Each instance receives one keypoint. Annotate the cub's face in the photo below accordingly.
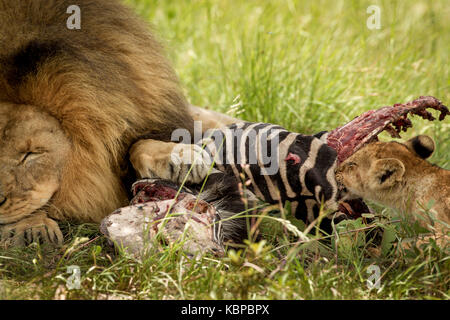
(33, 150)
(379, 170)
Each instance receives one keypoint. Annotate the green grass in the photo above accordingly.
(309, 66)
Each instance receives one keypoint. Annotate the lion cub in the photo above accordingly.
(397, 175)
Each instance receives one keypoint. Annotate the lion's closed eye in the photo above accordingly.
(30, 155)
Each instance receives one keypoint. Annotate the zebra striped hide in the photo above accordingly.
(278, 165)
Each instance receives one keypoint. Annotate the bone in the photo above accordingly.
(349, 138)
(157, 209)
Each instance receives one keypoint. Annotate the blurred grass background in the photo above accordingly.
(309, 66)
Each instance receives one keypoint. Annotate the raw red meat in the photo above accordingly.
(349, 138)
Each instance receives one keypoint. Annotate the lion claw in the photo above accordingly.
(37, 228)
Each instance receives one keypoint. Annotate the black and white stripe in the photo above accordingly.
(304, 165)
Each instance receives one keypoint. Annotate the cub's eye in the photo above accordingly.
(351, 165)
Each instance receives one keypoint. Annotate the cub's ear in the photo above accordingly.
(421, 145)
(384, 173)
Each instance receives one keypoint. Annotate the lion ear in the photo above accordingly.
(421, 145)
(384, 173)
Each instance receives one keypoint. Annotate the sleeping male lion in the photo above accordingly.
(71, 104)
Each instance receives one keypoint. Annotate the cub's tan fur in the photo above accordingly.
(397, 175)
(94, 90)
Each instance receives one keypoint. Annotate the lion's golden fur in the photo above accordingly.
(106, 84)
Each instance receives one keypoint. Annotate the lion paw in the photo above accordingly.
(37, 228)
(174, 162)
(189, 160)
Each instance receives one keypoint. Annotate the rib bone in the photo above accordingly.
(349, 138)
